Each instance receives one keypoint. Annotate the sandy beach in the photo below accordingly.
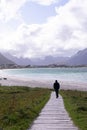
(45, 83)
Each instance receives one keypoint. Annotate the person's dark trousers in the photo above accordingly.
(56, 93)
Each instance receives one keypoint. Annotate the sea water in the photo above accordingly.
(78, 74)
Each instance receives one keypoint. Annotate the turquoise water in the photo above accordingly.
(63, 74)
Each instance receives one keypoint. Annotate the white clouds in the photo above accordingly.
(61, 34)
(10, 9)
(73, 15)
(45, 2)
(6, 41)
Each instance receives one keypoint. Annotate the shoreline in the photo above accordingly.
(43, 83)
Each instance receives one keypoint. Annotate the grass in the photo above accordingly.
(19, 106)
(76, 104)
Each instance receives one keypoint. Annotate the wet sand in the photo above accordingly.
(43, 83)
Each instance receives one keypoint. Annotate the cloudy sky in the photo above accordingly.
(36, 28)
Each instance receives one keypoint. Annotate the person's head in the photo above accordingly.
(55, 81)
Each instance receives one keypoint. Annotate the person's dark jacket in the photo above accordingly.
(56, 86)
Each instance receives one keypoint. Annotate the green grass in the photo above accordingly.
(19, 106)
(76, 104)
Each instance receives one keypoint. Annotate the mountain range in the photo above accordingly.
(80, 58)
(4, 60)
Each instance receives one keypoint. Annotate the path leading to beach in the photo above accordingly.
(53, 116)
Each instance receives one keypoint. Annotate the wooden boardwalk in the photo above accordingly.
(53, 116)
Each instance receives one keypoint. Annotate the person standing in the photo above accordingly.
(56, 87)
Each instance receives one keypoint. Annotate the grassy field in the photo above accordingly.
(19, 106)
(76, 105)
